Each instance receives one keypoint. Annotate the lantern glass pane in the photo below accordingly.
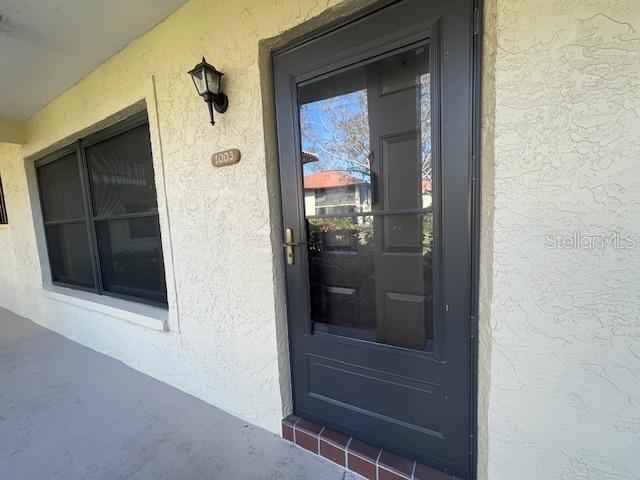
(213, 81)
(198, 79)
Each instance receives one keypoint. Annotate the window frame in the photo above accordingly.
(78, 147)
(4, 214)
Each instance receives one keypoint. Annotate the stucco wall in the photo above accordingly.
(559, 328)
(12, 131)
(564, 399)
(225, 343)
(19, 272)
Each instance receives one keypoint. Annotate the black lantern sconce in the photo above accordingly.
(207, 81)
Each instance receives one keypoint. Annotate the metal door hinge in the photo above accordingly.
(474, 328)
(476, 21)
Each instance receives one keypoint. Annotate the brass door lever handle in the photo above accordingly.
(288, 245)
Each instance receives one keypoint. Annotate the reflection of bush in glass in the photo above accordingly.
(332, 224)
(427, 233)
(339, 233)
(345, 233)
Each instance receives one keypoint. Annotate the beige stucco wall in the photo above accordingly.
(227, 338)
(17, 259)
(564, 323)
(559, 328)
(12, 131)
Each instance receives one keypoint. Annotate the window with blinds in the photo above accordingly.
(100, 214)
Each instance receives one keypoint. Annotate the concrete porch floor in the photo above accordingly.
(68, 412)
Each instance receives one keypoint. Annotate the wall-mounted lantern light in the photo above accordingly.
(207, 81)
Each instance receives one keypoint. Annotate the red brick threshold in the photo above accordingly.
(371, 462)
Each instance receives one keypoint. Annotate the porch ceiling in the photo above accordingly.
(45, 47)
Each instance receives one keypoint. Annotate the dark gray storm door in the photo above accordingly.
(375, 137)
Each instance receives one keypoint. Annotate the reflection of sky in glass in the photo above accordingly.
(337, 131)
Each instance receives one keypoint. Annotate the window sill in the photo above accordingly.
(136, 313)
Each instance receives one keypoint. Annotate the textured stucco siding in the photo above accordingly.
(12, 131)
(227, 339)
(559, 343)
(564, 399)
(19, 280)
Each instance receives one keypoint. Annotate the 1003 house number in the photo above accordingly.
(226, 157)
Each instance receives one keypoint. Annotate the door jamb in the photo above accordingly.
(476, 102)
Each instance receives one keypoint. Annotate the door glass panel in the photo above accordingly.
(366, 161)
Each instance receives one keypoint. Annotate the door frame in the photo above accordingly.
(476, 30)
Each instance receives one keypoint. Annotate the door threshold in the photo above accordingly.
(353, 454)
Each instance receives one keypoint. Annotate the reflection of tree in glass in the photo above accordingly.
(337, 130)
(424, 107)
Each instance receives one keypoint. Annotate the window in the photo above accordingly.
(100, 214)
(4, 218)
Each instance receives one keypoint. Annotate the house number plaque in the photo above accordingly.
(227, 157)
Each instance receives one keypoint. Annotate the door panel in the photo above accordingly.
(374, 133)
(350, 384)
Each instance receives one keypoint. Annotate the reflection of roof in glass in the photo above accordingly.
(329, 178)
(426, 185)
(309, 157)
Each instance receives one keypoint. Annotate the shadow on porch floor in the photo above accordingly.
(68, 412)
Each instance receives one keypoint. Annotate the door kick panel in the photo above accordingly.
(397, 399)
